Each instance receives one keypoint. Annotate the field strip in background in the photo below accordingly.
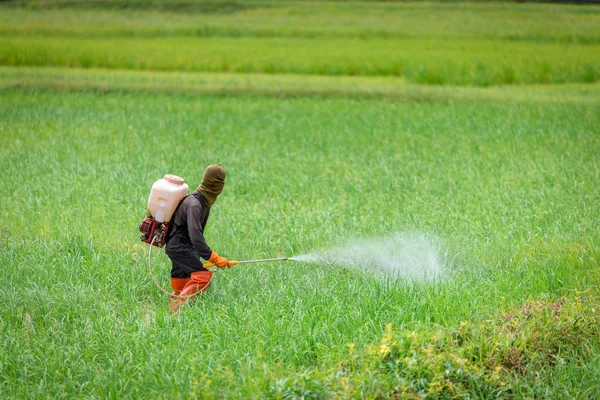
(282, 85)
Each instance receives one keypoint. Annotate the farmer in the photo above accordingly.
(186, 242)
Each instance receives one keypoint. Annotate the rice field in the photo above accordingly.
(500, 181)
(427, 43)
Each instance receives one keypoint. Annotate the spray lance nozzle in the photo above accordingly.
(232, 263)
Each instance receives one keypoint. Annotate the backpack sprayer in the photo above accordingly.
(165, 196)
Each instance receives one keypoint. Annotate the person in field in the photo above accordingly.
(186, 243)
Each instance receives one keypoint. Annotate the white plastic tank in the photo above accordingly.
(165, 196)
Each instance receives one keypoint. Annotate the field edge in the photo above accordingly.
(290, 85)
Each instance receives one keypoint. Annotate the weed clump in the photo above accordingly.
(480, 360)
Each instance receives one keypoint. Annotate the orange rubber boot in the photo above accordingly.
(178, 284)
(199, 282)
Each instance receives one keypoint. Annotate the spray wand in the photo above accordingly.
(232, 263)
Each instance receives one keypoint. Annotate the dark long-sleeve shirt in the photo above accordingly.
(187, 228)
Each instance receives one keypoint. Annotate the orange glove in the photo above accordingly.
(219, 261)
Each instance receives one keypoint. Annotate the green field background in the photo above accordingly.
(430, 43)
(474, 125)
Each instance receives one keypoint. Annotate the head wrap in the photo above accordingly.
(212, 183)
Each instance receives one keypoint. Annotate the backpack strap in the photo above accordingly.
(200, 198)
(171, 228)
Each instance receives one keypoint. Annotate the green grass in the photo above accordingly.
(456, 44)
(473, 124)
(467, 62)
(284, 85)
(507, 189)
(490, 20)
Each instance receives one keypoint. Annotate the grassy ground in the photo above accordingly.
(501, 179)
(508, 190)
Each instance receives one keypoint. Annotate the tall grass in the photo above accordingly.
(365, 20)
(479, 63)
(284, 85)
(432, 43)
(508, 189)
(502, 180)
